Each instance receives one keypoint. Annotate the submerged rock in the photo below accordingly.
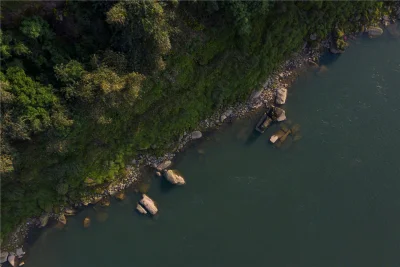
(374, 31)
(120, 196)
(86, 222)
(281, 95)
(140, 209)
(149, 204)
(105, 202)
(283, 138)
(3, 257)
(102, 216)
(164, 165)
(196, 135)
(11, 260)
(62, 219)
(174, 178)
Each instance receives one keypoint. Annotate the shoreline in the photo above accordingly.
(284, 76)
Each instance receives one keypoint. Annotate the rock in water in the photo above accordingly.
(86, 222)
(62, 219)
(174, 178)
(374, 31)
(69, 211)
(21, 263)
(273, 139)
(43, 220)
(281, 95)
(11, 260)
(196, 135)
(278, 114)
(276, 136)
(158, 174)
(140, 209)
(164, 165)
(3, 257)
(149, 204)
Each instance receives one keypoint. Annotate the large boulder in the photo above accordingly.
(70, 211)
(278, 114)
(174, 178)
(140, 209)
(11, 260)
(44, 220)
(164, 165)
(225, 115)
(62, 219)
(3, 257)
(374, 31)
(281, 95)
(149, 204)
(196, 135)
(19, 252)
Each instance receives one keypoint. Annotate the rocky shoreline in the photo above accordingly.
(266, 95)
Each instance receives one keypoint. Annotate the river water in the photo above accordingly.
(330, 199)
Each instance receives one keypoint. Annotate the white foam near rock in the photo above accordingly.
(149, 204)
(281, 95)
(196, 135)
(174, 178)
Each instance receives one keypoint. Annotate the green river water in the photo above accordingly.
(331, 199)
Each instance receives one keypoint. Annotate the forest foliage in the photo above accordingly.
(90, 85)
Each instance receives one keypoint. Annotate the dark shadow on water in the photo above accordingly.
(166, 186)
(254, 135)
(328, 58)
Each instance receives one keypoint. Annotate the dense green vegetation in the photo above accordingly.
(87, 86)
